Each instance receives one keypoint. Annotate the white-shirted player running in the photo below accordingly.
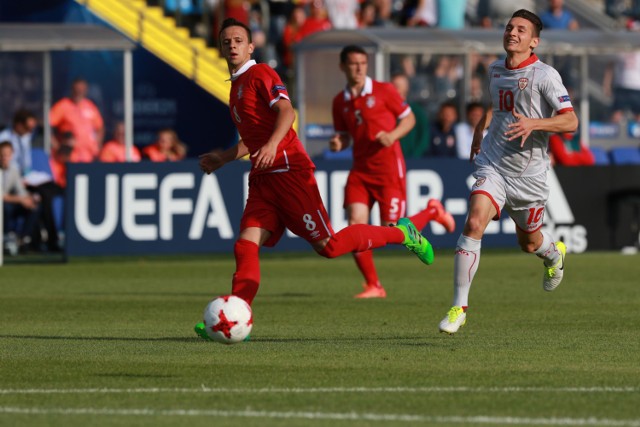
(511, 162)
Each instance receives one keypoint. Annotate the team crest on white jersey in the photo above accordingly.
(480, 181)
(523, 82)
(371, 101)
(240, 91)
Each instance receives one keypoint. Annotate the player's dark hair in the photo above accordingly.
(6, 144)
(21, 116)
(531, 17)
(232, 22)
(347, 50)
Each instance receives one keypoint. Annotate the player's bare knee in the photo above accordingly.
(474, 226)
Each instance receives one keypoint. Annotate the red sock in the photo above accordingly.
(360, 238)
(422, 218)
(246, 279)
(364, 261)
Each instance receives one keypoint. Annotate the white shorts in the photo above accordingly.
(523, 198)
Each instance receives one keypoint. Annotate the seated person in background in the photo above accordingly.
(464, 130)
(114, 150)
(416, 143)
(565, 149)
(167, 148)
(17, 202)
(60, 156)
(443, 136)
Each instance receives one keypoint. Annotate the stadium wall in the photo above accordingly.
(171, 208)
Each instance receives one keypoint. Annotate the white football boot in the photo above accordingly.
(553, 275)
(455, 318)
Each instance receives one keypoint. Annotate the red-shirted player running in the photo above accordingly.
(283, 192)
(375, 117)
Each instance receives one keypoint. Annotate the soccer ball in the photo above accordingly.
(228, 319)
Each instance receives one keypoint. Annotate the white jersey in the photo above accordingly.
(535, 90)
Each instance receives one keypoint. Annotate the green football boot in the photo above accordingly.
(415, 242)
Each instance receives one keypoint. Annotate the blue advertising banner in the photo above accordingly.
(172, 208)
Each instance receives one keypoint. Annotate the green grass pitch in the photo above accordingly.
(99, 342)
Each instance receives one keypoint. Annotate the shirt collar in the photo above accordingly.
(367, 89)
(530, 60)
(250, 63)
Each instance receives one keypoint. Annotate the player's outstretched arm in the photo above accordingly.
(214, 160)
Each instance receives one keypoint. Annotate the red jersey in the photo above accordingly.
(254, 89)
(378, 108)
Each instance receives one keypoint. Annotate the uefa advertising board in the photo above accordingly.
(174, 208)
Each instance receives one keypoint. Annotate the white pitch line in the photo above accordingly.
(325, 390)
(345, 416)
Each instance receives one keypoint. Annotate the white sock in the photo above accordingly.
(548, 251)
(465, 265)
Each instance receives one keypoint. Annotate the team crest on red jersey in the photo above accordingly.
(523, 82)
(371, 101)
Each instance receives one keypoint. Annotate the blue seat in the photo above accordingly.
(600, 155)
(625, 156)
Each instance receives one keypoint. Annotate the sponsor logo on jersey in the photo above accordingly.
(240, 91)
(523, 82)
(371, 101)
(564, 98)
(496, 76)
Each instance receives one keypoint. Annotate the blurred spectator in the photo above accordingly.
(496, 13)
(20, 135)
(60, 156)
(621, 81)
(115, 150)
(416, 143)
(187, 13)
(343, 13)
(384, 10)
(419, 13)
(443, 136)
(78, 115)
(451, 14)
(566, 149)
(367, 14)
(167, 148)
(291, 34)
(20, 209)
(316, 21)
(558, 18)
(464, 129)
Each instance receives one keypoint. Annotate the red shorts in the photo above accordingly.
(287, 200)
(391, 196)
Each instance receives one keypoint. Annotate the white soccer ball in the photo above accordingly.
(228, 319)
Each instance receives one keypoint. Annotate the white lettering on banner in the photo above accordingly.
(88, 230)
(210, 210)
(210, 206)
(171, 206)
(133, 207)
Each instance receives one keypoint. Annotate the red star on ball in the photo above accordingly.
(224, 325)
